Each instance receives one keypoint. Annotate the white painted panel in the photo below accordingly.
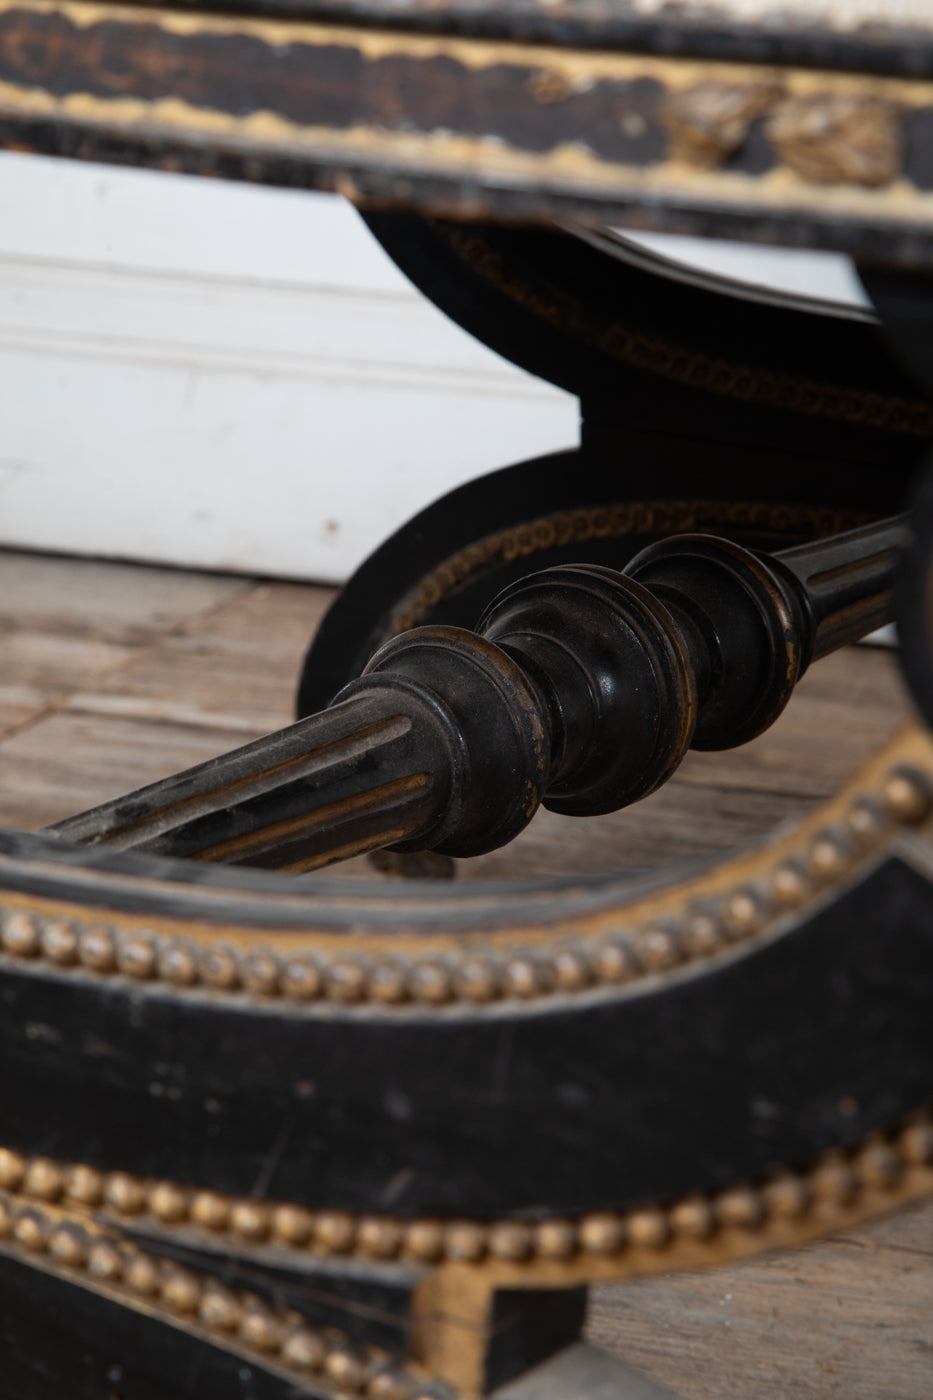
(215, 375)
(831, 276)
(61, 211)
(232, 470)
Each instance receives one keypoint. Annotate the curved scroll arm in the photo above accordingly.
(582, 688)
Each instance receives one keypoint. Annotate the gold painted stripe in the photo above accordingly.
(376, 802)
(96, 827)
(568, 169)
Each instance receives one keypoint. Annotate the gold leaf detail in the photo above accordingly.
(832, 140)
(710, 121)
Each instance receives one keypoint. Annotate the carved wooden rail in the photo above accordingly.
(582, 688)
(590, 107)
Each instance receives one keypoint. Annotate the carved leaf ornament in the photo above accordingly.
(825, 138)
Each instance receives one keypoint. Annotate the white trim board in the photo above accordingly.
(230, 378)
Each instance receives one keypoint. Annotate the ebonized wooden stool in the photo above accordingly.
(400, 1127)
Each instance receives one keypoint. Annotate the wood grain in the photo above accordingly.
(114, 675)
(64, 624)
(850, 1317)
(172, 668)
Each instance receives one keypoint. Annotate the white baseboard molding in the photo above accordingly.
(277, 406)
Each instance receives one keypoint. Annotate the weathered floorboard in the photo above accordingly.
(64, 624)
(113, 675)
(851, 1317)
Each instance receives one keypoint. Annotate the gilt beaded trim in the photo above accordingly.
(884, 1169)
(75, 1247)
(782, 881)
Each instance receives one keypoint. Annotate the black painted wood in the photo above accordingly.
(581, 687)
(892, 43)
(529, 1325)
(60, 1341)
(913, 601)
(564, 1105)
(769, 1054)
(563, 306)
(63, 1337)
(368, 1301)
(751, 495)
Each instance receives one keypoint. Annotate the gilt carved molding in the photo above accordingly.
(475, 126)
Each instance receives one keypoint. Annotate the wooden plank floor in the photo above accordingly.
(113, 675)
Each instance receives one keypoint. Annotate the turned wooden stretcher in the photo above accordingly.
(404, 1127)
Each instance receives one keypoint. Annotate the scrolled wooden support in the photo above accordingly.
(582, 688)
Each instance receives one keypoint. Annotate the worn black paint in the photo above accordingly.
(368, 1301)
(615, 464)
(612, 24)
(332, 85)
(527, 1326)
(60, 1340)
(581, 687)
(561, 308)
(564, 1106)
(645, 436)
